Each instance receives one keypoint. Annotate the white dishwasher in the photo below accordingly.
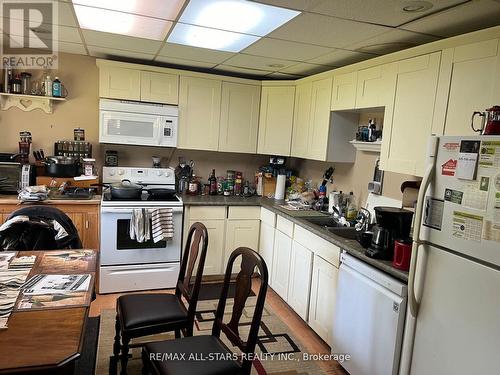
(369, 318)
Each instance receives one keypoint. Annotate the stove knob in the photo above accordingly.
(167, 173)
(158, 173)
(121, 172)
(112, 172)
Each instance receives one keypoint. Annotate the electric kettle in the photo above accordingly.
(490, 124)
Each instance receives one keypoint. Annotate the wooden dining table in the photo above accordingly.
(47, 341)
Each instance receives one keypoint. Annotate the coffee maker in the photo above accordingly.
(391, 224)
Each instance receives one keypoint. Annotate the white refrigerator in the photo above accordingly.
(453, 318)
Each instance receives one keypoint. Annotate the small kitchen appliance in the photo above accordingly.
(14, 175)
(490, 124)
(125, 263)
(392, 223)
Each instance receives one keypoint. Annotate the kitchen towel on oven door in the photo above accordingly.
(140, 229)
(162, 224)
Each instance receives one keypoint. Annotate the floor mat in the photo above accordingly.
(86, 364)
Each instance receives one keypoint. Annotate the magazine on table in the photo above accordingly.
(53, 301)
(57, 284)
(5, 257)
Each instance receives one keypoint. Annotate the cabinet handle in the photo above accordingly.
(86, 224)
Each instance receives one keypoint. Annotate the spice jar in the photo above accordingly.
(88, 167)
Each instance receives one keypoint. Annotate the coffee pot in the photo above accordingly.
(490, 123)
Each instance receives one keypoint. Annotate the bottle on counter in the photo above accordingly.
(238, 183)
(212, 180)
(220, 185)
(352, 209)
(193, 185)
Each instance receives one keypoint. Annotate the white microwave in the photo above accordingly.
(134, 123)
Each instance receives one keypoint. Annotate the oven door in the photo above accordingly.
(117, 247)
(129, 128)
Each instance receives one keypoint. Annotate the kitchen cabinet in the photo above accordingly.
(215, 250)
(375, 86)
(474, 83)
(281, 263)
(311, 124)
(239, 122)
(240, 233)
(85, 215)
(322, 302)
(406, 134)
(266, 247)
(276, 120)
(159, 87)
(199, 113)
(344, 91)
(119, 83)
(300, 279)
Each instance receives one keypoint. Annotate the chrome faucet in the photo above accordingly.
(363, 220)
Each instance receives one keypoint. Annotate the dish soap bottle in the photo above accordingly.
(352, 210)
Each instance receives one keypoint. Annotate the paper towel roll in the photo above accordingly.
(280, 187)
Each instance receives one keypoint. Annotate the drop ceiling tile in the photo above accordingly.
(122, 42)
(284, 49)
(246, 71)
(392, 41)
(290, 4)
(184, 62)
(74, 48)
(341, 57)
(63, 33)
(258, 62)
(65, 15)
(382, 12)
(305, 69)
(472, 16)
(326, 31)
(104, 53)
(194, 53)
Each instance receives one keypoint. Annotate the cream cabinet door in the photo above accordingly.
(159, 87)
(375, 86)
(344, 91)
(266, 247)
(281, 263)
(215, 250)
(406, 135)
(300, 279)
(322, 303)
(276, 120)
(240, 233)
(199, 113)
(119, 83)
(239, 123)
(319, 124)
(474, 86)
(301, 120)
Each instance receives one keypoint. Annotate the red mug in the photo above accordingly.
(402, 254)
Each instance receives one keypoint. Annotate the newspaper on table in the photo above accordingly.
(22, 262)
(10, 284)
(5, 257)
(57, 284)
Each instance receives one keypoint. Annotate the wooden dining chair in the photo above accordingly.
(155, 355)
(146, 314)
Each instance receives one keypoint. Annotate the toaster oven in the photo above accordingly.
(15, 176)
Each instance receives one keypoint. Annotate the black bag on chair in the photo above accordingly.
(38, 233)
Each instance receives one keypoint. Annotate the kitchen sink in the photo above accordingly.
(349, 233)
(323, 221)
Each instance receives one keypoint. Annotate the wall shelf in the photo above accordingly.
(367, 146)
(28, 103)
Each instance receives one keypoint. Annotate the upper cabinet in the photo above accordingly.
(276, 120)
(239, 122)
(119, 83)
(375, 86)
(302, 120)
(159, 87)
(344, 91)
(409, 121)
(116, 82)
(474, 74)
(199, 113)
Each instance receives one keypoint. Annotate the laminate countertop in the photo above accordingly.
(352, 247)
(12, 199)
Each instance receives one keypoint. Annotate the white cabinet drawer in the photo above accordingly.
(268, 217)
(284, 225)
(321, 247)
(243, 213)
(207, 212)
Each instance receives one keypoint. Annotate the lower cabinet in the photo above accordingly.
(240, 233)
(322, 303)
(300, 279)
(215, 250)
(266, 247)
(281, 263)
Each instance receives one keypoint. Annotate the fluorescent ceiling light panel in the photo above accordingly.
(239, 16)
(164, 9)
(110, 21)
(204, 37)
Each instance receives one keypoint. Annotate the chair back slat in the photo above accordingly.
(249, 262)
(195, 250)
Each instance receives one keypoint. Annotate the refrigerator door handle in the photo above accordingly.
(426, 181)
